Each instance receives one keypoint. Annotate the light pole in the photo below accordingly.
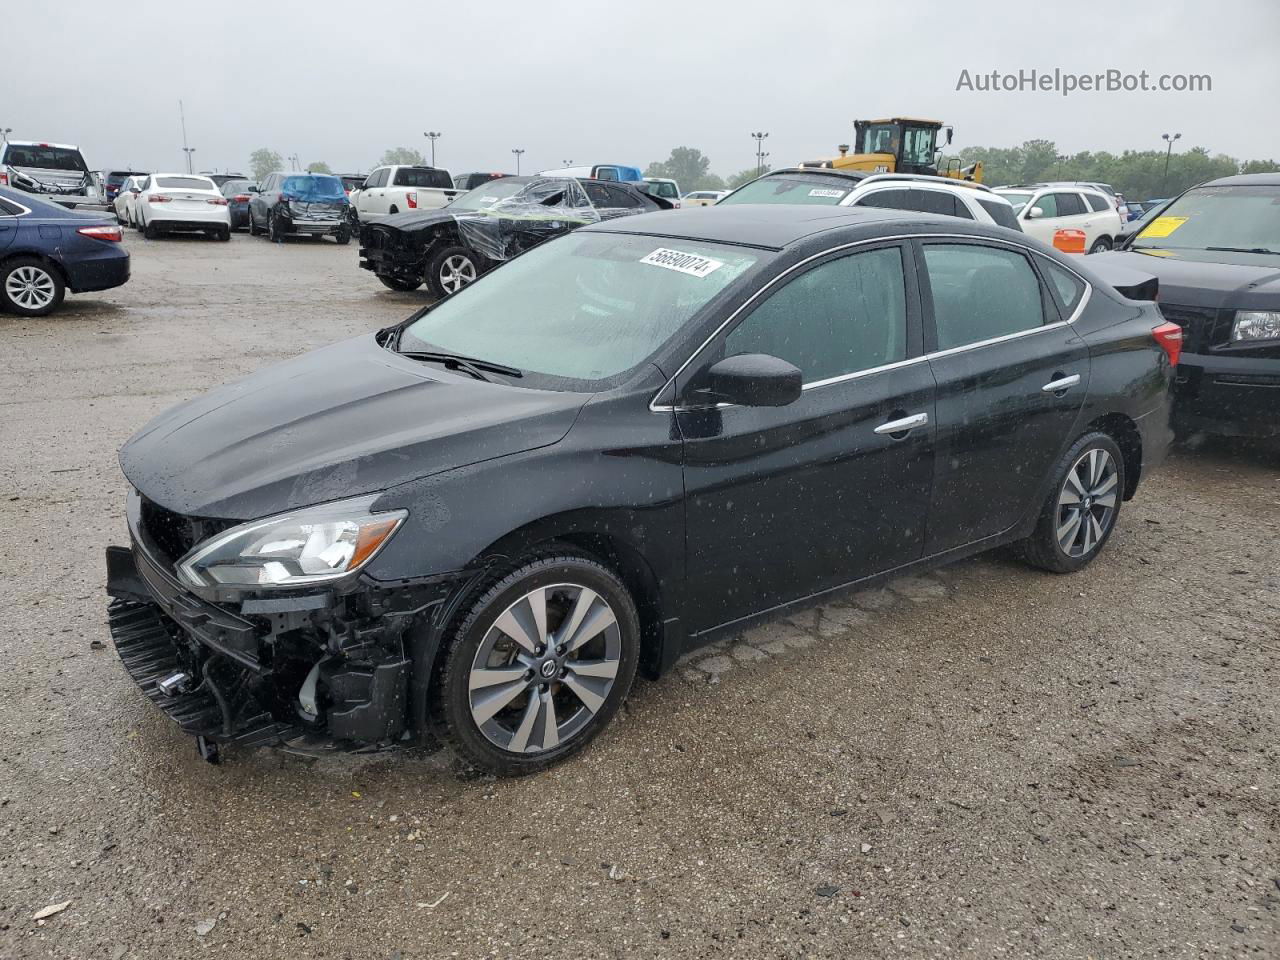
(1164, 182)
(294, 161)
(759, 139)
(517, 151)
(4, 134)
(1060, 157)
(182, 115)
(433, 136)
(567, 163)
(188, 151)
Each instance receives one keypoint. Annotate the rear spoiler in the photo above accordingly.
(1133, 284)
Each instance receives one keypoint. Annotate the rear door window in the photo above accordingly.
(1069, 204)
(980, 293)
(886, 199)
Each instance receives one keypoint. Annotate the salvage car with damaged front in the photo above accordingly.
(476, 526)
(1216, 252)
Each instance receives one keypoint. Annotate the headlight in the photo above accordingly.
(1256, 325)
(294, 549)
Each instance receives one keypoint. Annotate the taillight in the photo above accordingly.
(1169, 336)
(158, 198)
(411, 198)
(241, 198)
(111, 233)
(4, 179)
(217, 201)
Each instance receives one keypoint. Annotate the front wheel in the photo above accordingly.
(1101, 245)
(1082, 508)
(398, 285)
(342, 237)
(29, 287)
(451, 269)
(539, 665)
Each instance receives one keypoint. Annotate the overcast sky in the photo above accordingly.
(614, 82)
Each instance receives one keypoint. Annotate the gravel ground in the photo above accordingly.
(985, 762)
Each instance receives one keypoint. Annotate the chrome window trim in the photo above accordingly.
(656, 407)
(25, 209)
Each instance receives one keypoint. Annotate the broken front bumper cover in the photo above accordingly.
(236, 678)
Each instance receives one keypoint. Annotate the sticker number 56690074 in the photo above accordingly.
(690, 263)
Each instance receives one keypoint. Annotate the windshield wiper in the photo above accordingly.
(469, 365)
(1274, 253)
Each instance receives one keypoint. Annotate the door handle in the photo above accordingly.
(1062, 383)
(903, 425)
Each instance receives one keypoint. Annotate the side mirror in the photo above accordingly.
(1035, 213)
(754, 380)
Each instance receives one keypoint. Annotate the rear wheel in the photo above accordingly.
(150, 231)
(29, 287)
(539, 665)
(1082, 508)
(1101, 245)
(275, 227)
(451, 269)
(395, 283)
(253, 224)
(224, 234)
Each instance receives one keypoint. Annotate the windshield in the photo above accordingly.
(1245, 217)
(586, 306)
(317, 187)
(1019, 200)
(487, 195)
(664, 189)
(45, 158)
(793, 188)
(185, 183)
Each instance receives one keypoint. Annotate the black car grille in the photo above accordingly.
(172, 535)
(1199, 326)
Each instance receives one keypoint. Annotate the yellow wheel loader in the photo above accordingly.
(899, 145)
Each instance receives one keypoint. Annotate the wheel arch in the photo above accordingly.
(1121, 428)
(9, 255)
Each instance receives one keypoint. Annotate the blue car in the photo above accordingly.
(46, 250)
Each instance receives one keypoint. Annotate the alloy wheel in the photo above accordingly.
(456, 272)
(1087, 503)
(30, 287)
(545, 668)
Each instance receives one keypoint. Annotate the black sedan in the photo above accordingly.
(449, 247)
(1216, 252)
(46, 250)
(238, 194)
(634, 439)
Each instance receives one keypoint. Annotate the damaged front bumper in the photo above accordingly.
(347, 666)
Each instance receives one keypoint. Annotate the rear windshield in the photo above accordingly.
(185, 183)
(794, 188)
(423, 177)
(486, 195)
(317, 187)
(44, 158)
(661, 188)
(117, 177)
(1001, 213)
(232, 187)
(1019, 200)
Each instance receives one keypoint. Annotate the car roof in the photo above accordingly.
(843, 174)
(42, 143)
(1246, 179)
(769, 225)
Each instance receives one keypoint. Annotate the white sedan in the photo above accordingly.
(125, 202)
(181, 201)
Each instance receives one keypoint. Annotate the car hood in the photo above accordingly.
(341, 421)
(1212, 279)
(417, 219)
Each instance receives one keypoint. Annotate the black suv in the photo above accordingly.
(449, 247)
(307, 204)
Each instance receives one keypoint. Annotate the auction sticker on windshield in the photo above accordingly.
(822, 192)
(1162, 227)
(682, 262)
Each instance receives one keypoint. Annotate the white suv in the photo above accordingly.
(895, 191)
(1044, 209)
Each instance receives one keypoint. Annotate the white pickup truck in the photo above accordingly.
(397, 189)
(55, 171)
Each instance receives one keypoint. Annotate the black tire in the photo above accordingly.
(441, 264)
(224, 234)
(47, 290)
(342, 237)
(398, 285)
(393, 211)
(150, 231)
(275, 231)
(137, 221)
(1043, 548)
(1101, 245)
(453, 692)
(253, 225)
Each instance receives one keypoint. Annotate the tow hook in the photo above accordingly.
(207, 749)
